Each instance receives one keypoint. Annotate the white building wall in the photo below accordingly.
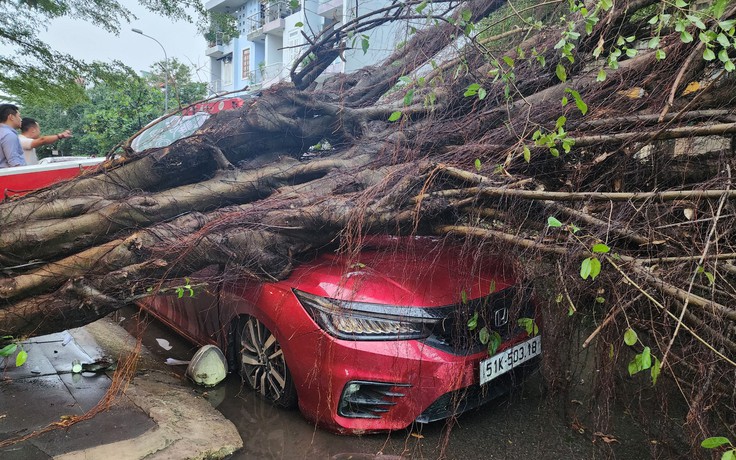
(270, 62)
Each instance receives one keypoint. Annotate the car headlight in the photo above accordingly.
(366, 321)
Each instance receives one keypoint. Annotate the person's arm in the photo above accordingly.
(45, 140)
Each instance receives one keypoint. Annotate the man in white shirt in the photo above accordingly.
(30, 138)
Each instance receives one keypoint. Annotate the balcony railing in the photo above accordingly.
(271, 12)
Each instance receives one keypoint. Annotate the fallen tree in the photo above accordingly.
(599, 145)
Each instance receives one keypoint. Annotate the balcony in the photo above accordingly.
(270, 20)
(217, 48)
(330, 9)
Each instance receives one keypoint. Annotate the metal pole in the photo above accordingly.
(166, 68)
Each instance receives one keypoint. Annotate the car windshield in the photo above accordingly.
(161, 133)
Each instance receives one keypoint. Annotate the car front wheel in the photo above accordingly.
(262, 363)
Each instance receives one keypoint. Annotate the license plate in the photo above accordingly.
(503, 362)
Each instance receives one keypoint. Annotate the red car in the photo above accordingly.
(395, 336)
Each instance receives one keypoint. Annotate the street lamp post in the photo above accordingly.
(166, 65)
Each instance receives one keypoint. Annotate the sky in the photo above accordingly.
(84, 41)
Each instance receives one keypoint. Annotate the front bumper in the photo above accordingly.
(402, 382)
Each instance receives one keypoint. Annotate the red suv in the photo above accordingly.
(398, 334)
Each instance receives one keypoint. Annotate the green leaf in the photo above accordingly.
(484, 336)
(527, 154)
(471, 90)
(723, 56)
(646, 358)
(394, 116)
(481, 93)
(421, 7)
(574, 228)
(719, 7)
(595, 267)
(708, 54)
(564, 101)
(601, 75)
(466, 15)
(529, 326)
(8, 350)
(585, 268)
(634, 366)
(723, 40)
(727, 25)
(404, 79)
(729, 66)
(580, 104)
(631, 52)
(653, 42)
(655, 371)
(680, 3)
(600, 248)
(560, 122)
(553, 222)
(729, 455)
(606, 4)
(494, 342)
(509, 61)
(21, 358)
(492, 287)
(653, 20)
(478, 165)
(713, 442)
(630, 337)
(686, 37)
(570, 310)
(660, 54)
(409, 97)
(696, 20)
(364, 44)
(299, 24)
(473, 321)
(561, 73)
(600, 299)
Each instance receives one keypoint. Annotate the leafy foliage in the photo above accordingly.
(111, 110)
(33, 69)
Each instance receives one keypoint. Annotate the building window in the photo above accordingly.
(246, 64)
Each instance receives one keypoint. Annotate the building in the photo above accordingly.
(271, 38)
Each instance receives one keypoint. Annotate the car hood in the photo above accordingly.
(416, 271)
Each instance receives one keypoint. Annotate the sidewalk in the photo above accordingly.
(156, 418)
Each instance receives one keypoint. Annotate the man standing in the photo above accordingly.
(11, 153)
(30, 138)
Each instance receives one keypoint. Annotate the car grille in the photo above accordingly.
(362, 399)
(452, 333)
(459, 401)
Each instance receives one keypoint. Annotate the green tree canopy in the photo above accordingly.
(33, 69)
(110, 111)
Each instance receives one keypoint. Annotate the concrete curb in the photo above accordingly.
(187, 426)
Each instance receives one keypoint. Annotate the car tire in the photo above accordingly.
(262, 364)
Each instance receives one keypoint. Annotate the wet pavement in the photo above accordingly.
(524, 424)
(44, 390)
(156, 418)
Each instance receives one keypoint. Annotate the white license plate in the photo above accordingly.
(503, 362)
